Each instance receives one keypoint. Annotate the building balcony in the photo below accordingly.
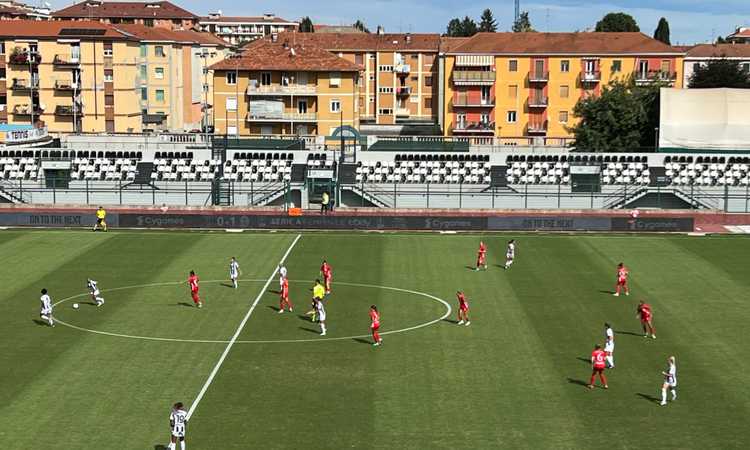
(474, 128)
(474, 78)
(403, 112)
(654, 76)
(462, 101)
(26, 110)
(538, 101)
(538, 77)
(65, 85)
(66, 61)
(402, 69)
(403, 91)
(68, 110)
(594, 76)
(24, 58)
(276, 90)
(281, 117)
(20, 84)
(537, 127)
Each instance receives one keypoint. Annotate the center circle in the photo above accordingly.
(445, 304)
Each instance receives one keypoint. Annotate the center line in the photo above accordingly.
(237, 333)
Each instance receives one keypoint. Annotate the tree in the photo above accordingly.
(306, 25)
(720, 73)
(721, 40)
(622, 118)
(662, 31)
(361, 26)
(523, 24)
(454, 28)
(468, 27)
(487, 23)
(617, 22)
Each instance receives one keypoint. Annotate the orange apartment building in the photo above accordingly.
(278, 87)
(160, 14)
(521, 85)
(399, 78)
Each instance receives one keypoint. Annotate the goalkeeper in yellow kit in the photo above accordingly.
(318, 293)
(100, 224)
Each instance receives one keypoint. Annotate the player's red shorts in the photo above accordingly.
(598, 370)
(480, 260)
(196, 297)
(463, 307)
(375, 326)
(622, 282)
(645, 319)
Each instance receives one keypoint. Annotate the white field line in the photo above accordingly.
(229, 346)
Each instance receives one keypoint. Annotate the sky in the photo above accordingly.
(690, 21)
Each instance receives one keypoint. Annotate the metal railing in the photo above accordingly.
(282, 90)
(538, 76)
(592, 76)
(538, 101)
(296, 117)
(474, 76)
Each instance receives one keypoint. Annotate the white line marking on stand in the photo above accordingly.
(237, 333)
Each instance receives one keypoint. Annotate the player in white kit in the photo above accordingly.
(46, 311)
(94, 291)
(282, 275)
(177, 423)
(670, 381)
(321, 310)
(510, 253)
(609, 345)
(234, 271)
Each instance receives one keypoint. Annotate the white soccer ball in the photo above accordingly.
(75, 305)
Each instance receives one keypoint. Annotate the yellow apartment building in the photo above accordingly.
(68, 76)
(280, 87)
(521, 85)
(399, 83)
(172, 88)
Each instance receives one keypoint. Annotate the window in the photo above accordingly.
(414, 56)
(144, 93)
(144, 51)
(149, 22)
(564, 91)
(232, 130)
(144, 73)
(484, 118)
(385, 90)
(589, 66)
(232, 78)
(371, 55)
(2, 48)
(513, 65)
(563, 117)
(335, 105)
(231, 104)
(109, 126)
(160, 95)
(109, 100)
(745, 67)
(372, 99)
(107, 49)
(2, 73)
(359, 59)
(335, 79)
(513, 91)
(159, 51)
(265, 79)
(428, 81)
(428, 102)
(385, 68)
(511, 117)
(696, 66)
(159, 73)
(461, 120)
(415, 78)
(616, 65)
(108, 76)
(385, 111)
(564, 65)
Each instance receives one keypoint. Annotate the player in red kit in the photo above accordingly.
(375, 325)
(622, 280)
(481, 256)
(284, 301)
(463, 309)
(194, 288)
(327, 272)
(644, 313)
(598, 363)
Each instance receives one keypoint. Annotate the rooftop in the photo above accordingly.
(56, 29)
(719, 51)
(585, 43)
(96, 9)
(368, 41)
(144, 33)
(264, 54)
(268, 18)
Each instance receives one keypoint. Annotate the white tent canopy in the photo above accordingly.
(716, 119)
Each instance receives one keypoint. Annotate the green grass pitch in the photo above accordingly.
(513, 379)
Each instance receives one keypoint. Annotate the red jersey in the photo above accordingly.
(622, 274)
(462, 300)
(375, 317)
(598, 358)
(193, 282)
(482, 249)
(326, 270)
(644, 311)
(285, 289)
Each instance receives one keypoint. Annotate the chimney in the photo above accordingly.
(269, 16)
(408, 38)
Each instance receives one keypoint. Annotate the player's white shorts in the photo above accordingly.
(233, 275)
(178, 431)
(509, 256)
(609, 347)
(321, 316)
(281, 281)
(671, 383)
(95, 293)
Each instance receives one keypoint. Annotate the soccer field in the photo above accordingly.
(107, 377)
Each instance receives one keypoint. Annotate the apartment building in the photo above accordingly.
(238, 31)
(399, 73)
(279, 87)
(527, 84)
(740, 36)
(68, 76)
(159, 14)
(700, 55)
(172, 88)
(12, 10)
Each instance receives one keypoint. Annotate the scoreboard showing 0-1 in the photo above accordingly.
(585, 178)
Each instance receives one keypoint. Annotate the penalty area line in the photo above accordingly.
(229, 346)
